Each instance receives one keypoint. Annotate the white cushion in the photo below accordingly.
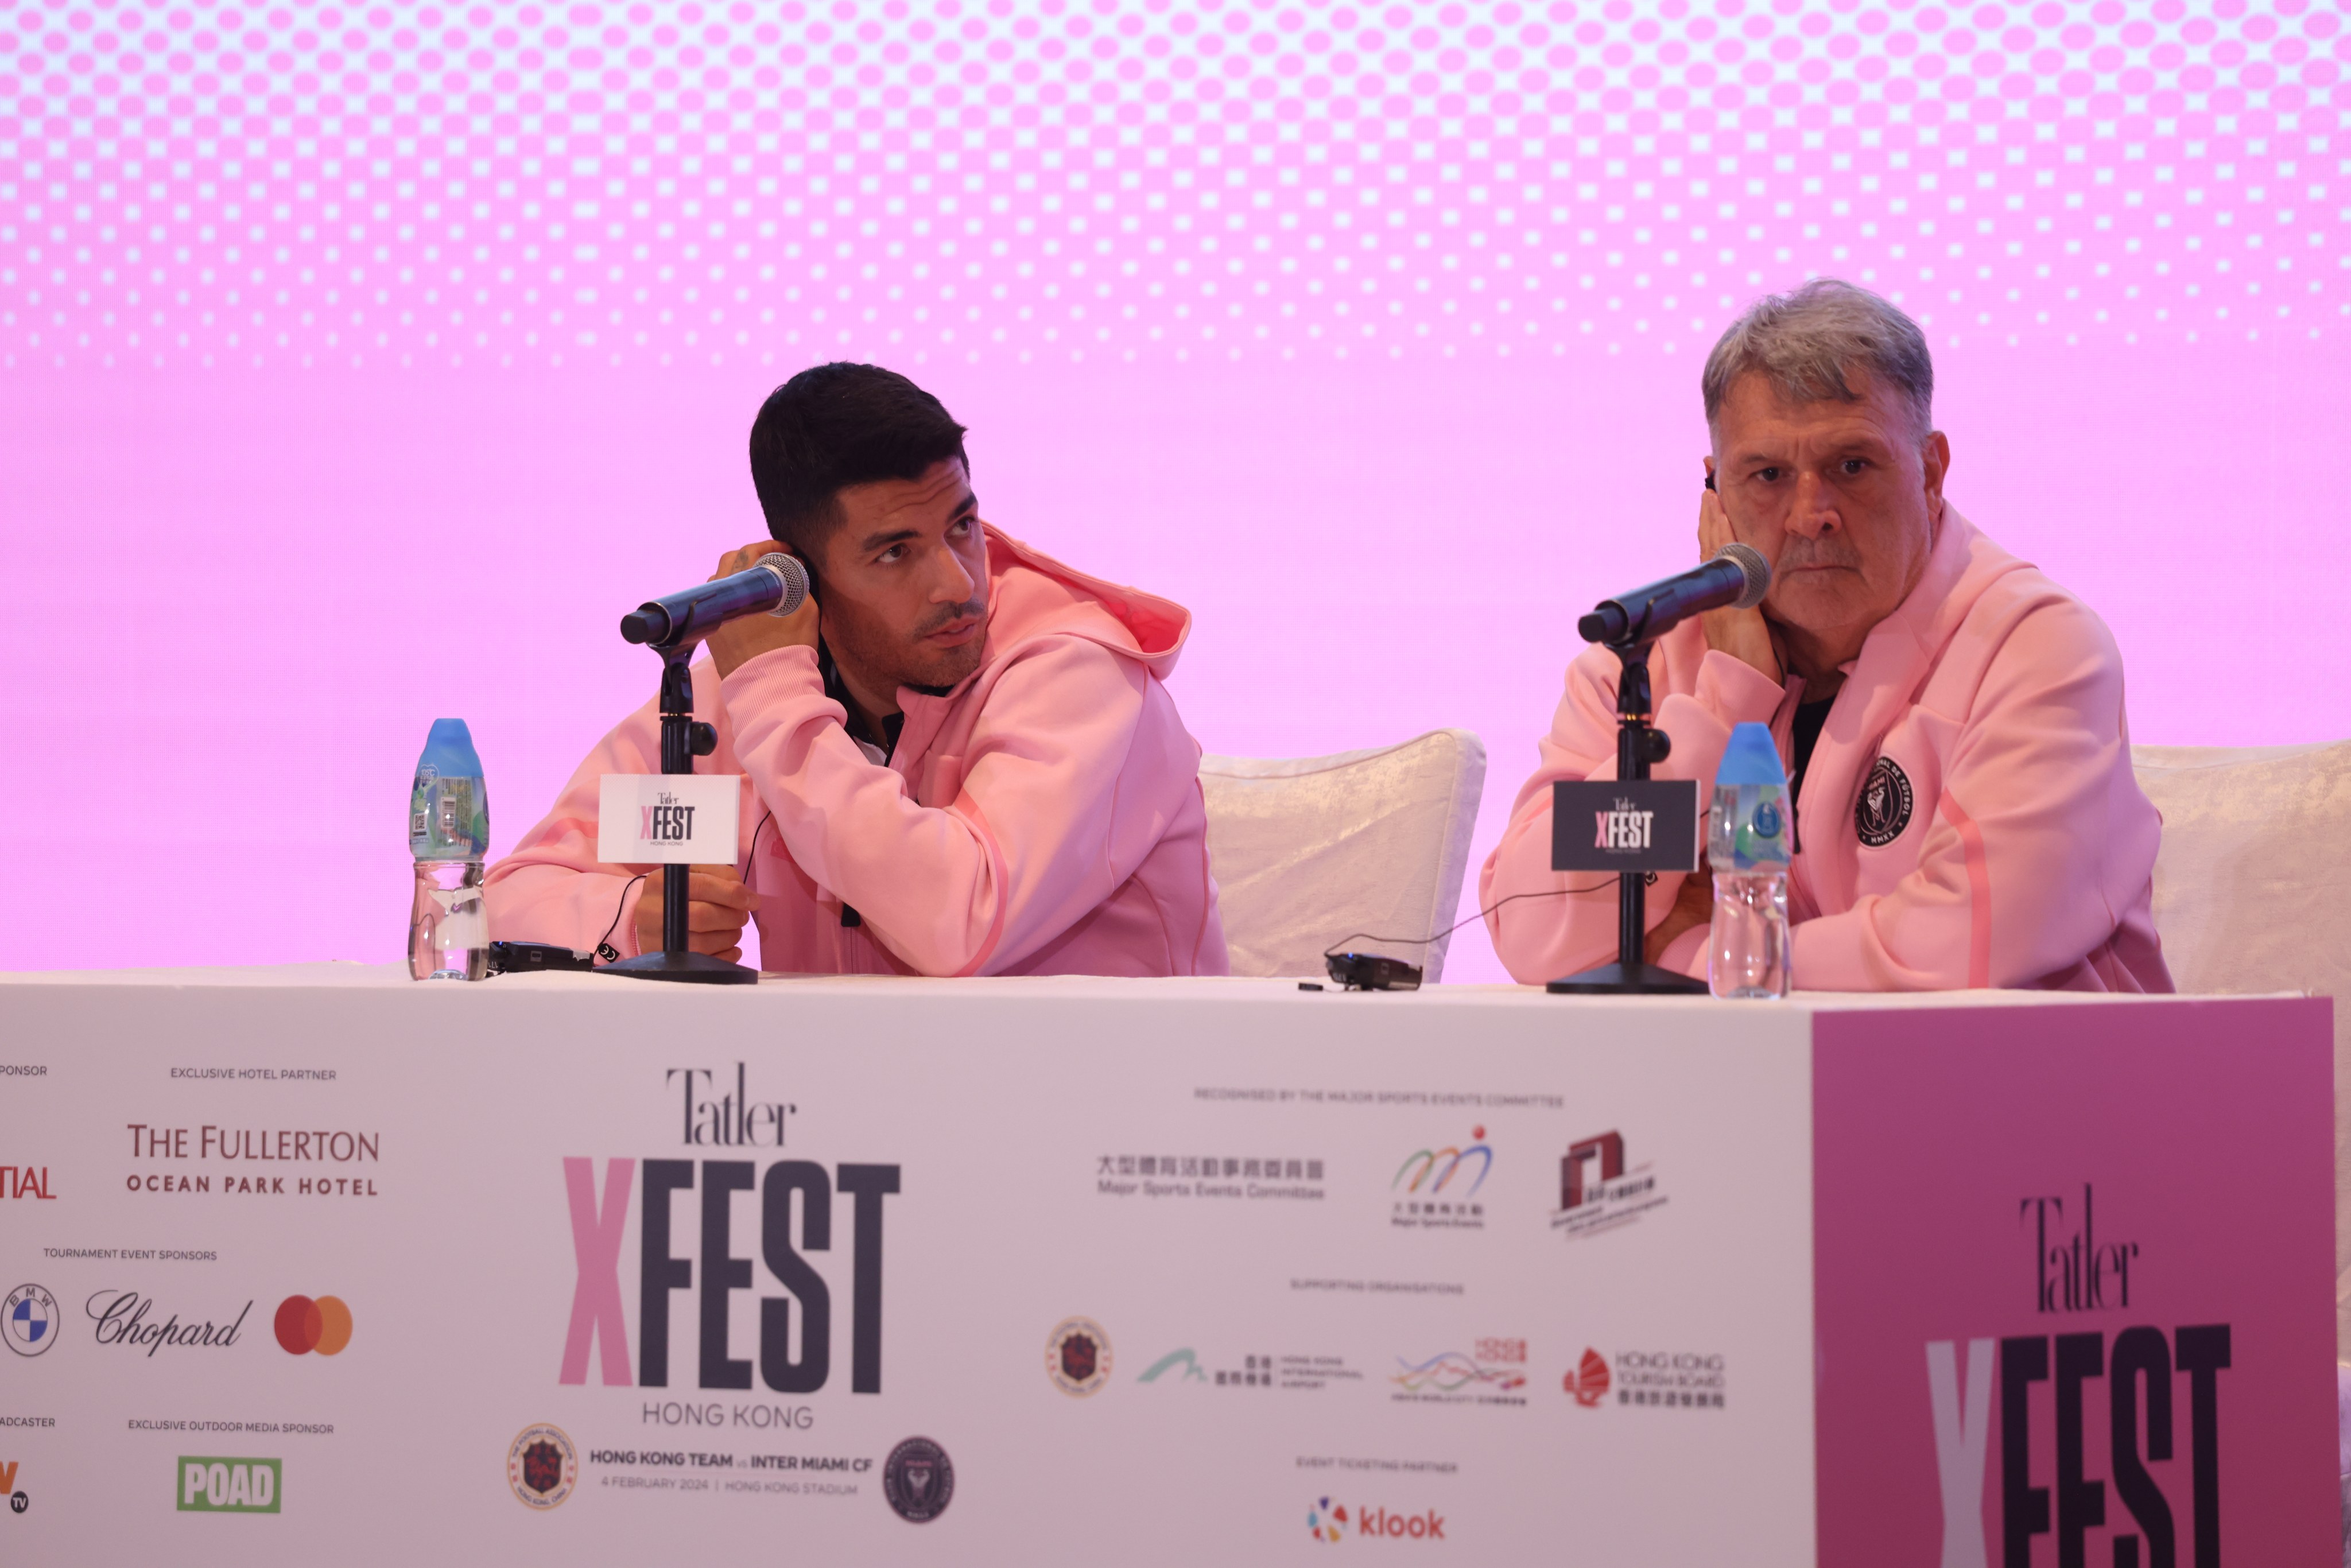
(1313, 852)
(2249, 890)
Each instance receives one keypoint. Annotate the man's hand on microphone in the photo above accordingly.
(746, 637)
(717, 907)
(1743, 635)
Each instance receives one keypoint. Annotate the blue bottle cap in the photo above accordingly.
(1752, 758)
(449, 751)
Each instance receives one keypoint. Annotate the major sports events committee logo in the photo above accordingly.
(305, 1325)
(1436, 1189)
(1077, 1357)
(29, 1319)
(542, 1467)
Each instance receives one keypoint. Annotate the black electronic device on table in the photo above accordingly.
(1371, 972)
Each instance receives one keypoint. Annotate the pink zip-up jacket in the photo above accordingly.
(1042, 818)
(1969, 818)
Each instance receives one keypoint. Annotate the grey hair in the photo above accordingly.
(1807, 343)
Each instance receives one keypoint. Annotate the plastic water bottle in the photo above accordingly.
(449, 834)
(1748, 831)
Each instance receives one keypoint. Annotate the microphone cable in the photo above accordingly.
(1648, 879)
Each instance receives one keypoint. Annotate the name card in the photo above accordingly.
(1619, 825)
(669, 819)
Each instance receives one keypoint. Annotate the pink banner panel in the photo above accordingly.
(2073, 1285)
(359, 365)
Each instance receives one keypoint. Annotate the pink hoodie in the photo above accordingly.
(1043, 818)
(1969, 818)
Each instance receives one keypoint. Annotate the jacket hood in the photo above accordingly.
(1031, 596)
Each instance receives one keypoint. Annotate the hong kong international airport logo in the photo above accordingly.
(1598, 1191)
(30, 1318)
(1077, 1357)
(1436, 1189)
(542, 1467)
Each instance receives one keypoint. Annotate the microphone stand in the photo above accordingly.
(683, 739)
(1637, 746)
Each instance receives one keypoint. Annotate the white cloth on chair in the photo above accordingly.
(2249, 889)
(1307, 851)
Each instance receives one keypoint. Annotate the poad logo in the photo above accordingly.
(787, 1188)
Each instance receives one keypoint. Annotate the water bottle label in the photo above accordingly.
(448, 819)
(669, 819)
(1761, 840)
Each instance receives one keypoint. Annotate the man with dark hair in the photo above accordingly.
(959, 755)
(1951, 720)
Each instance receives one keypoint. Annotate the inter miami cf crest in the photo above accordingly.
(1077, 1356)
(1883, 808)
(917, 1480)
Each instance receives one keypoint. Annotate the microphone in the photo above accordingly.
(1737, 576)
(777, 583)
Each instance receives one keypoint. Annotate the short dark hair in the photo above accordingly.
(840, 424)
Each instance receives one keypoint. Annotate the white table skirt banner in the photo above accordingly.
(320, 1264)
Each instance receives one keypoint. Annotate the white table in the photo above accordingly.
(1762, 1332)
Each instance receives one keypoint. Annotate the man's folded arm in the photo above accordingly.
(551, 887)
(2014, 879)
(1024, 850)
(1542, 938)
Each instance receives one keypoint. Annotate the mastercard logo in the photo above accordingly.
(305, 1325)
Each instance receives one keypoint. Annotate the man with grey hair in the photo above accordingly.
(1952, 721)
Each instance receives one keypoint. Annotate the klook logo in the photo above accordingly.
(304, 1325)
(1328, 1522)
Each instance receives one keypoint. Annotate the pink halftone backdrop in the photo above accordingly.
(360, 365)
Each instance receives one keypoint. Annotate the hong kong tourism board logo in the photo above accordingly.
(542, 1467)
(1077, 1357)
(30, 1317)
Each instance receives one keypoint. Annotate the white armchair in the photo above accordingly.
(1308, 850)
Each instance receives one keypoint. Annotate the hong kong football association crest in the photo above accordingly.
(1077, 1356)
(542, 1467)
(1883, 808)
(917, 1480)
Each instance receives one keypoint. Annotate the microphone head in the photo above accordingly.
(794, 577)
(646, 623)
(1757, 571)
